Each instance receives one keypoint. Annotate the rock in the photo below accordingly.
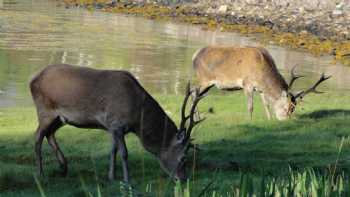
(238, 8)
(337, 13)
(303, 32)
(210, 10)
(339, 6)
(222, 9)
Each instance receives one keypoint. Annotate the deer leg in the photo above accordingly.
(113, 154)
(250, 94)
(266, 106)
(39, 136)
(45, 125)
(123, 152)
(56, 149)
(120, 146)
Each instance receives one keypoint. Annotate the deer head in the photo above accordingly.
(173, 160)
(286, 104)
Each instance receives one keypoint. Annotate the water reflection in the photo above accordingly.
(34, 34)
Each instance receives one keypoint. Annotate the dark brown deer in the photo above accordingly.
(251, 69)
(113, 101)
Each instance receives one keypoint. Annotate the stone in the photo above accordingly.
(337, 13)
(210, 10)
(222, 9)
(339, 6)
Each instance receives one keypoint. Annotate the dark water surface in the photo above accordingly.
(36, 33)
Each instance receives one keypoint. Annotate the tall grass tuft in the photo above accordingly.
(306, 183)
(126, 190)
(40, 187)
(299, 184)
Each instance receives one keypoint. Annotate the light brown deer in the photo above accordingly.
(113, 101)
(251, 69)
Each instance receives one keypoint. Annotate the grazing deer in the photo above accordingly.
(113, 101)
(251, 69)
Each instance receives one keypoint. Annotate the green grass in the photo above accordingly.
(231, 145)
(306, 183)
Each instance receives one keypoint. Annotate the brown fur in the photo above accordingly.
(110, 100)
(233, 68)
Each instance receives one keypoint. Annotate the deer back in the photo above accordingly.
(228, 67)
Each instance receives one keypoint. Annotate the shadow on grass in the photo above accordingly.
(320, 114)
(304, 142)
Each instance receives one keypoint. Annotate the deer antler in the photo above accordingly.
(293, 77)
(184, 118)
(197, 96)
(313, 88)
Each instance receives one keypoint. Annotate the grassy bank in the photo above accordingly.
(187, 14)
(230, 145)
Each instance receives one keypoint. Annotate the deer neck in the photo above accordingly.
(156, 130)
(276, 94)
(274, 89)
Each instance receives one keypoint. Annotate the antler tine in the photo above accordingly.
(293, 77)
(184, 118)
(192, 122)
(197, 97)
(313, 88)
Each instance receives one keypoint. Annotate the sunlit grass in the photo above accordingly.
(230, 145)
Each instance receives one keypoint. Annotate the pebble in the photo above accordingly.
(336, 13)
(222, 9)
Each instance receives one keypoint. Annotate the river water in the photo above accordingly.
(36, 33)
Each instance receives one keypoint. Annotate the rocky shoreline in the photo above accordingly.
(320, 27)
(325, 22)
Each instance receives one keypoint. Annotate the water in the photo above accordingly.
(34, 34)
